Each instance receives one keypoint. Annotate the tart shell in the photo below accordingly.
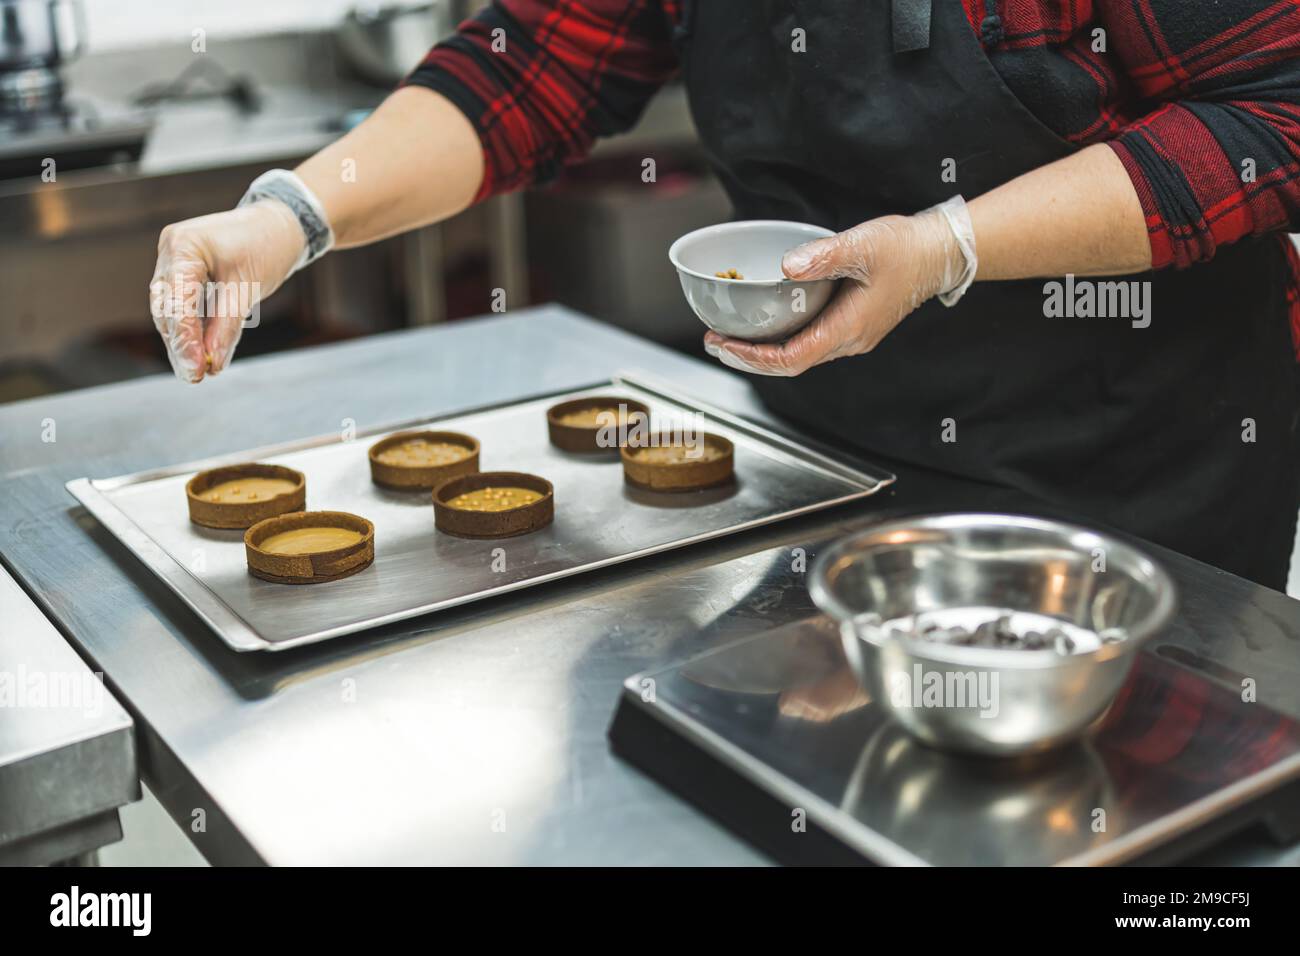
(406, 477)
(316, 567)
(243, 514)
(680, 476)
(493, 524)
(577, 438)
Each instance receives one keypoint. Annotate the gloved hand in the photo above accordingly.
(255, 247)
(889, 266)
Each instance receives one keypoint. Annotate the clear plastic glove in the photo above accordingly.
(211, 272)
(889, 266)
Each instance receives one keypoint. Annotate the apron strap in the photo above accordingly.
(911, 20)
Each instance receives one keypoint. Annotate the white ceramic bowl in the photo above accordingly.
(764, 306)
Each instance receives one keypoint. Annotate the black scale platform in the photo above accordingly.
(773, 737)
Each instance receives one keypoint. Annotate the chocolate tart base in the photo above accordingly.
(577, 438)
(680, 476)
(406, 477)
(316, 567)
(493, 524)
(243, 514)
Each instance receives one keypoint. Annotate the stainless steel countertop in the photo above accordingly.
(475, 736)
(67, 748)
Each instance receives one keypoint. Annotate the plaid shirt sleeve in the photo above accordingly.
(1217, 156)
(541, 80)
(1200, 101)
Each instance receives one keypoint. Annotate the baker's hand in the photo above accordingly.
(889, 266)
(211, 272)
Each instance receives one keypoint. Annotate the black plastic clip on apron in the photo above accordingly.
(833, 112)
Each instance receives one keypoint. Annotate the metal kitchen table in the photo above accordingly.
(67, 750)
(475, 736)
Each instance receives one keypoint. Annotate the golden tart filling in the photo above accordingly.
(677, 454)
(597, 416)
(423, 453)
(309, 540)
(494, 499)
(242, 490)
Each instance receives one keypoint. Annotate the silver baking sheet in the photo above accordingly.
(599, 520)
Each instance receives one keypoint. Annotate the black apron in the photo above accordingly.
(1140, 428)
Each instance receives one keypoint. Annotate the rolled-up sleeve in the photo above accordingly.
(1217, 156)
(541, 80)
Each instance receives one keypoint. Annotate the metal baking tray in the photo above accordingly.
(599, 520)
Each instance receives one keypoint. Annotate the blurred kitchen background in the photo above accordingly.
(145, 131)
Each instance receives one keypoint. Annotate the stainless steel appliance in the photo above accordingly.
(43, 131)
(385, 41)
(36, 38)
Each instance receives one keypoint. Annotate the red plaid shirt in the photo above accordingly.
(1200, 101)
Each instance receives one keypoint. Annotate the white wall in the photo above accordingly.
(118, 24)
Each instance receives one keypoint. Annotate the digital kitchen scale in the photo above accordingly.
(773, 736)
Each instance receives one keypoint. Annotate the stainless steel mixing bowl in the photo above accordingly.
(764, 306)
(990, 700)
